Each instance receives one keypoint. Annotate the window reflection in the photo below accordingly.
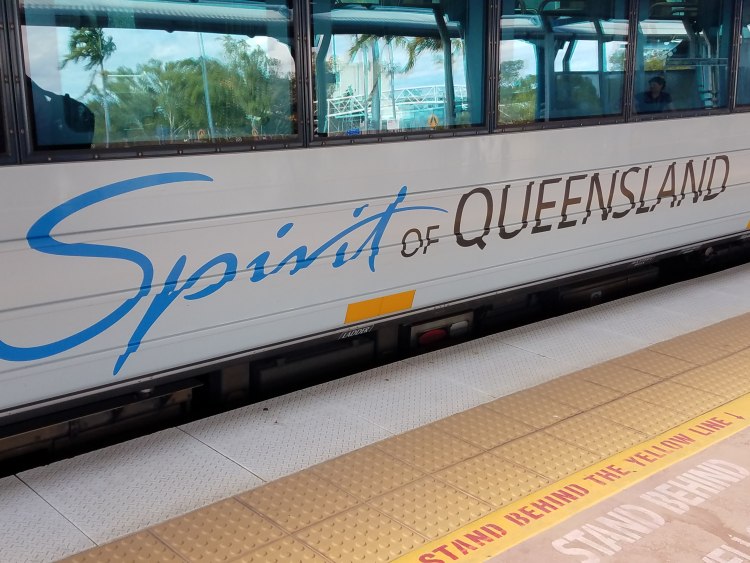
(3, 131)
(387, 66)
(561, 59)
(682, 55)
(132, 72)
(743, 77)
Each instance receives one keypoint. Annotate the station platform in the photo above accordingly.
(615, 433)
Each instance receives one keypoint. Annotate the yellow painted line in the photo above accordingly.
(748, 225)
(371, 308)
(517, 522)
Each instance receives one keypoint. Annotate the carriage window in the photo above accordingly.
(116, 74)
(743, 78)
(561, 59)
(3, 131)
(682, 55)
(385, 66)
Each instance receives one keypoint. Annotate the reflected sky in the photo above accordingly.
(49, 46)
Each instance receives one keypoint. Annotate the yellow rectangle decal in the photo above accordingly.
(363, 310)
(398, 302)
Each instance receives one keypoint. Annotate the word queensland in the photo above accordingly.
(565, 202)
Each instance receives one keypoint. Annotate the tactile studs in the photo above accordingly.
(141, 547)
(361, 534)
(597, 434)
(493, 479)
(578, 393)
(654, 363)
(431, 507)
(547, 455)
(298, 500)
(428, 448)
(532, 408)
(617, 377)
(219, 532)
(640, 415)
(367, 473)
(687, 400)
(483, 427)
(287, 550)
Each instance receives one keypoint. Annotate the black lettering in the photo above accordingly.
(596, 186)
(709, 196)
(428, 239)
(642, 207)
(567, 201)
(479, 241)
(689, 172)
(404, 242)
(669, 178)
(541, 205)
(627, 193)
(505, 234)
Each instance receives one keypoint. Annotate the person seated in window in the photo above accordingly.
(655, 99)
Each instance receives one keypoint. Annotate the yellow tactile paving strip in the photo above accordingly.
(382, 502)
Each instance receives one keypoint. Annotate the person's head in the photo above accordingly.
(656, 85)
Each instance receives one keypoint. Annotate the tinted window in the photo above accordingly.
(743, 78)
(561, 59)
(682, 55)
(3, 131)
(106, 73)
(387, 66)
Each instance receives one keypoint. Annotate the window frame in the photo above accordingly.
(16, 116)
(416, 134)
(9, 154)
(629, 115)
(30, 154)
(635, 117)
(739, 6)
(561, 123)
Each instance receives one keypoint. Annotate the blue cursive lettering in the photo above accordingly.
(39, 238)
(337, 248)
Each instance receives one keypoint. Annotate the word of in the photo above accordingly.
(414, 236)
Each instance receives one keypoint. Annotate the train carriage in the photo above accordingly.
(208, 194)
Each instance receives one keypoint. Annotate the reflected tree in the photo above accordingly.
(362, 44)
(167, 100)
(516, 93)
(89, 44)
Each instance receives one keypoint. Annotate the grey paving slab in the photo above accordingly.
(711, 298)
(33, 531)
(403, 396)
(283, 435)
(129, 486)
(643, 319)
(574, 340)
(493, 367)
